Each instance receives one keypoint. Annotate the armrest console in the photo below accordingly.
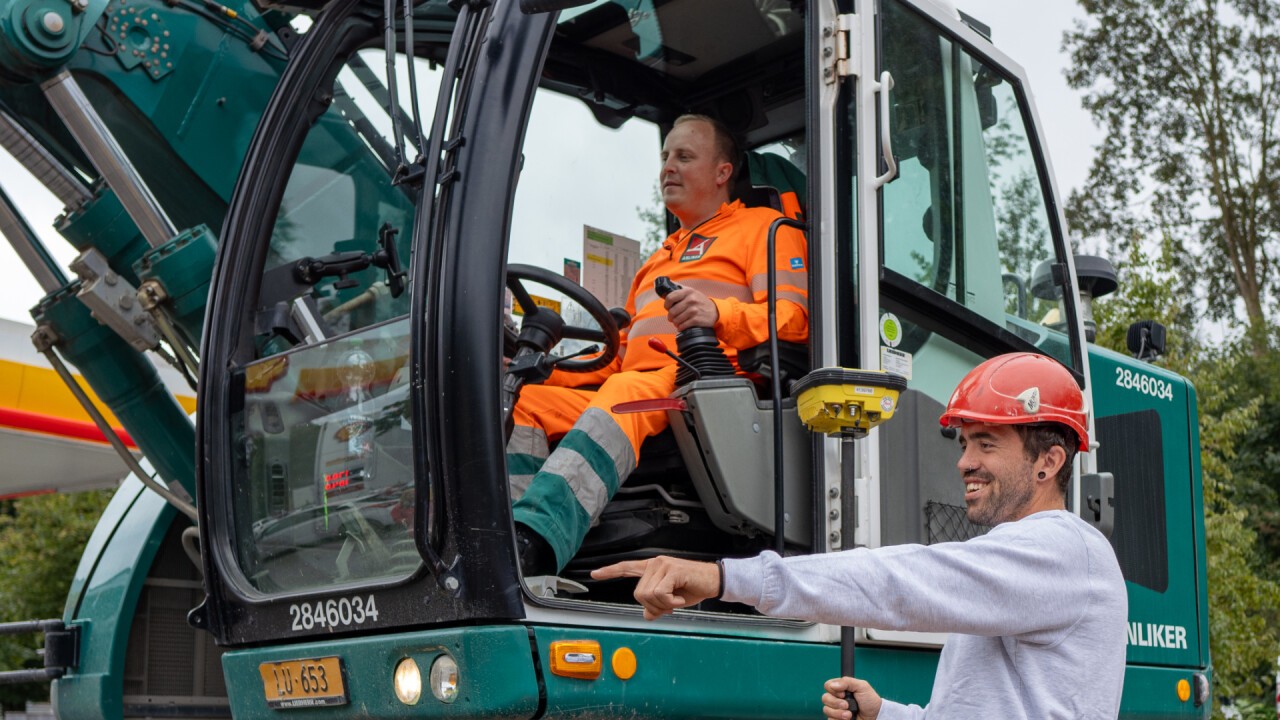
(726, 440)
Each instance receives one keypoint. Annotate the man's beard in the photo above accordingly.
(1004, 499)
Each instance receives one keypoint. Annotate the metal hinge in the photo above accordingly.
(838, 48)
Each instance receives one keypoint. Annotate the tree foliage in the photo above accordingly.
(1244, 595)
(42, 538)
(1256, 465)
(1244, 604)
(1188, 94)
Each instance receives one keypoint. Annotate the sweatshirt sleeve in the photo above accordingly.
(891, 710)
(745, 324)
(1031, 580)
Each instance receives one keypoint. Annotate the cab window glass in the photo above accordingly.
(328, 458)
(966, 217)
(341, 218)
(325, 486)
(966, 221)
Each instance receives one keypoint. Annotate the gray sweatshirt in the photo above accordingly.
(1038, 608)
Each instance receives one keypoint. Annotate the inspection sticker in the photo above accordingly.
(890, 329)
(895, 361)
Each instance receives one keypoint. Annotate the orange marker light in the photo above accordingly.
(579, 659)
(1184, 690)
(624, 663)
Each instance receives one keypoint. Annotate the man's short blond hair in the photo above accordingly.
(726, 144)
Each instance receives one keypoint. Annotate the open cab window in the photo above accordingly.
(588, 205)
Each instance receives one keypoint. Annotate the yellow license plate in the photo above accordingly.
(311, 682)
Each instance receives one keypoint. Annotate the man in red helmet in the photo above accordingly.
(1037, 607)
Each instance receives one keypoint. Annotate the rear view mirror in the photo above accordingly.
(1146, 340)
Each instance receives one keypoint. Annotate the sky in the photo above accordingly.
(1028, 32)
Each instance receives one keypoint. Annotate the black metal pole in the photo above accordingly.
(848, 635)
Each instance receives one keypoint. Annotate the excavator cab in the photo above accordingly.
(361, 322)
(366, 327)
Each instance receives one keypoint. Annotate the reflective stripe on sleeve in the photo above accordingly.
(652, 326)
(718, 288)
(794, 278)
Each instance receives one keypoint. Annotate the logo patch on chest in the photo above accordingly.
(697, 247)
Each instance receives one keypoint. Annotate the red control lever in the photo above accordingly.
(657, 344)
(652, 405)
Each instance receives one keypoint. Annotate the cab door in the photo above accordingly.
(959, 254)
(320, 452)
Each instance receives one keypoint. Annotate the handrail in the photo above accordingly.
(61, 650)
(775, 377)
(886, 140)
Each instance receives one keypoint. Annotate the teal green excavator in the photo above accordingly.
(438, 208)
(137, 116)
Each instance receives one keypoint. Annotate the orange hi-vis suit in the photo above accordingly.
(560, 495)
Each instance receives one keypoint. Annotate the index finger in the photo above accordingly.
(628, 568)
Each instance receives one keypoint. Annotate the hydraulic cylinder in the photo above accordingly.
(126, 382)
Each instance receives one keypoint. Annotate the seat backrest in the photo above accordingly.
(773, 181)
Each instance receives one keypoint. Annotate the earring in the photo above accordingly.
(1041, 476)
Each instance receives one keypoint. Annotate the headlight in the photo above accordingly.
(444, 679)
(408, 681)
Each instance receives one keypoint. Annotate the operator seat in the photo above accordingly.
(773, 181)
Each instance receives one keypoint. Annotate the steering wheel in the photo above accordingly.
(607, 335)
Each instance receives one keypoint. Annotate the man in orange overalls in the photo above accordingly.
(719, 258)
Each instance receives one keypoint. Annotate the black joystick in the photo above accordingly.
(664, 286)
(699, 347)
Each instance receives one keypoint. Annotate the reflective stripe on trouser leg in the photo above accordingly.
(527, 450)
(571, 489)
(543, 412)
(568, 495)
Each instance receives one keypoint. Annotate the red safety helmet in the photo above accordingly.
(1018, 389)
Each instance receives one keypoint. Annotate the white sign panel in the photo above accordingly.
(609, 262)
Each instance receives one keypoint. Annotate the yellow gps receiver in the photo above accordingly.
(846, 403)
